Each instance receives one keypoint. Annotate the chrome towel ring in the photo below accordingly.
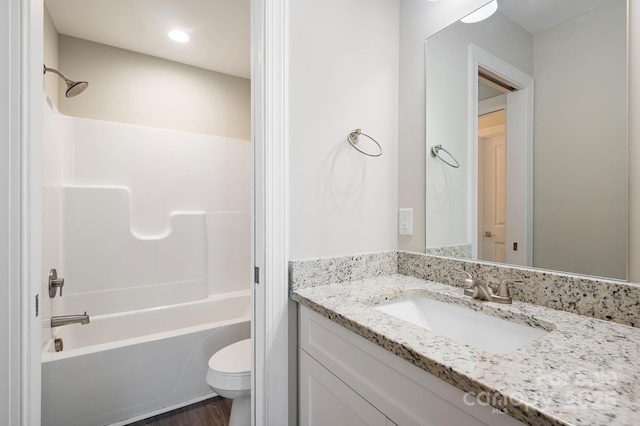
(353, 137)
(435, 152)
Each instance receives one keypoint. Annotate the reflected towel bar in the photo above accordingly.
(435, 152)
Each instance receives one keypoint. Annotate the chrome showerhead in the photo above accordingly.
(74, 88)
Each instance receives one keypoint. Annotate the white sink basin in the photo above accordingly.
(463, 325)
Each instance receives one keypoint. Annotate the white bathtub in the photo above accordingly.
(127, 365)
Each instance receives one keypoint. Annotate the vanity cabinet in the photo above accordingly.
(347, 380)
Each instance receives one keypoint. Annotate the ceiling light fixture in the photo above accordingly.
(481, 14)
(179, 36)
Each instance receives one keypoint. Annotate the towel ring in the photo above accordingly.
(435, 152)
(353, 136)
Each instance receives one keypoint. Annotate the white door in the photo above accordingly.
(502, 179)
(493, 182)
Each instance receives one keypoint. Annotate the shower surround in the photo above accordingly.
(136, 220)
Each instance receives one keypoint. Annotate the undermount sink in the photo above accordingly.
(480, 331)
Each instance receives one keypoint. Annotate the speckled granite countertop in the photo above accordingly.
(585, 371)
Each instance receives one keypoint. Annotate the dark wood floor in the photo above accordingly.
(210, 412)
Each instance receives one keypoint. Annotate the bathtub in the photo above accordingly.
(127, 366)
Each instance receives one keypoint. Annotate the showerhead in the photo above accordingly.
(74, 88)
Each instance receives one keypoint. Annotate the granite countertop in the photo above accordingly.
(584, 371)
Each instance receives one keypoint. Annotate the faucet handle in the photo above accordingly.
(503, 288)
(502, 295)
(469, 276)
(55, 283)
(468, 289)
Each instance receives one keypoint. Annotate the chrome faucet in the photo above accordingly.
(479, 290)
(69, 319)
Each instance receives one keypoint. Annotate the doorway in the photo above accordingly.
(199, 205)
(502, 159)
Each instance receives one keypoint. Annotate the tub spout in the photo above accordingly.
(69, 319)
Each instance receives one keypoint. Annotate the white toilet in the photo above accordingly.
(229, 376)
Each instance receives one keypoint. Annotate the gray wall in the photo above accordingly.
(133, 88)
(580, 153)
(51, 80)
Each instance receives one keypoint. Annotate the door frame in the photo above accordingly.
(521, 178)
(21, 187)
(22, 116)
(11, 298)
(273, 400)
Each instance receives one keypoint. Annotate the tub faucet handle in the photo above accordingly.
(55, 283)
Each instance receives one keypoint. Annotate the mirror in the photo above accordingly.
(532, 102)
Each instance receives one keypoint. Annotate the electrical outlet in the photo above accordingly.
(405, 222)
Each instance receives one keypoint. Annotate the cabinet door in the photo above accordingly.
(326, 400)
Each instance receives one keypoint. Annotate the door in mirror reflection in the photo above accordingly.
(492, 196)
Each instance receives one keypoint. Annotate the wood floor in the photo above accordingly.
(210, 412)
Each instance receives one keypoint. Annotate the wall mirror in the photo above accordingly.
(532, 103)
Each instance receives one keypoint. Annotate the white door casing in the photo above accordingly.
(21, 76)
(519, 214)
(20, 186)
(11, 298)
(519, 178)
(271, 397)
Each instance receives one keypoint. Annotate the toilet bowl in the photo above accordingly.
(229, 376)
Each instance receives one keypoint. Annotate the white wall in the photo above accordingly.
(343, 74)
(419, 19)
(139, 217)
(133, 88)
(447, 94)
(580, 182)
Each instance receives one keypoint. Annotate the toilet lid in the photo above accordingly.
(235, 358)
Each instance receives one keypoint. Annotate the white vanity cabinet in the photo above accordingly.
(347, 380)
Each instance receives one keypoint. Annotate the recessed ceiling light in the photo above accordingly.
(179, 36)
(481, 14)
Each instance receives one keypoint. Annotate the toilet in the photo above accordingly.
(229, 376)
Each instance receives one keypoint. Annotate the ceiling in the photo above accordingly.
(219, 29)
(540, 15)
